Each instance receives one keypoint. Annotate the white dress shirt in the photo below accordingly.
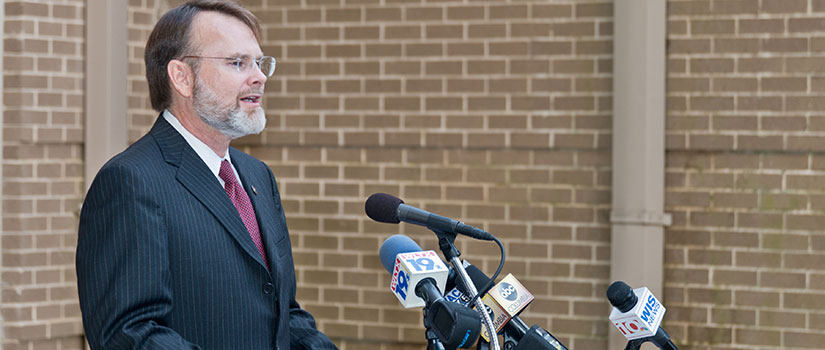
(212, 159)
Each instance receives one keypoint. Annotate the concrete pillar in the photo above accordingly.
(638, 218)
(106, 67)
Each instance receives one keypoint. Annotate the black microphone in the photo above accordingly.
(637, 320)
(390, 209)
(457, 326)
(528, 338)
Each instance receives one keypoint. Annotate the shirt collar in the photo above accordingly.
(212, 159)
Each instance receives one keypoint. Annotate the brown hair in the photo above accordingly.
(170, 40)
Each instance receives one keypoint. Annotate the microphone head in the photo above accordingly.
(621, 296)
(456, 325)
(477, 276)
(383, 207)
(394, 245)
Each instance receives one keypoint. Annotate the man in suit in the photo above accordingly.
(183, 242)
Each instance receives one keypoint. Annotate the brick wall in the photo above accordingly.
(471, 110)
(142, 17)
(745, 266)
(495, 112)
(42, 172)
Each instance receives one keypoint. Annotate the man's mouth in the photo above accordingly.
(251, 99)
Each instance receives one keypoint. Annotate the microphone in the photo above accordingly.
(510, 297)
(455, 325)
(409, 265)
(459, 295)
(638, 321)
(397, 244)
(394, 245)
(390, 209)
(505, 300)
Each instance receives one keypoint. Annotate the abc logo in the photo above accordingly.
(508, 291)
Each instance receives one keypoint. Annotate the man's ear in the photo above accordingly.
(181, 76)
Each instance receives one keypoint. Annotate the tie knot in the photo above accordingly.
(226, 174)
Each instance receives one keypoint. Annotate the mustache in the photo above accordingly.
(259, 91)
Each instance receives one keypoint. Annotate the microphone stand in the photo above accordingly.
(432, 341)
(446, 242)
(510, 342)
(661, 339)
(635, 344)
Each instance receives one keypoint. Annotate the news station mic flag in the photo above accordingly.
(418, 279)
(515, 298)
(409, 265)
(638, 315)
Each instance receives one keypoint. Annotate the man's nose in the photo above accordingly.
(257, 76)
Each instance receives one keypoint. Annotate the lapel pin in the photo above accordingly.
(255, 191)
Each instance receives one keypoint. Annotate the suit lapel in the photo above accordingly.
(196, 177)
(254, 184)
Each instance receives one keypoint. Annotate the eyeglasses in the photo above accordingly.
(243, 64)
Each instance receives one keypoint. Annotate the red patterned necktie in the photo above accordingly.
(241, 201)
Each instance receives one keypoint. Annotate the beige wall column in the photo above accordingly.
(637, 219)
(105, 82)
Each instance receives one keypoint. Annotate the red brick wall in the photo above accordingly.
(745, 174)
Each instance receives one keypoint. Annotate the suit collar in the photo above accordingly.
(170, 142)
(196, 177)
(207, 154)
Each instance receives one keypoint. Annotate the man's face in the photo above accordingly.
(223, 97)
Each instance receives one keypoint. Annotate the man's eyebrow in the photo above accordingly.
(243, 56)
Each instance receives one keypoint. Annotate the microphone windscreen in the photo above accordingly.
(455, 325)
(383, 207)
(394, 245)
(477, 276)
(621, 296)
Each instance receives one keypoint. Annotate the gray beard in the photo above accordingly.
(229, 119)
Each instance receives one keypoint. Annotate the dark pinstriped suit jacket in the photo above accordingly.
(165, 262)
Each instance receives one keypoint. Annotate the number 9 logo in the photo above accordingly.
(422, 264)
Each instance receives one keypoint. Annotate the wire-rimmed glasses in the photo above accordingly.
(243, 63)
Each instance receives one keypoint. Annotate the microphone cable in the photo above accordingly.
(492, 281)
